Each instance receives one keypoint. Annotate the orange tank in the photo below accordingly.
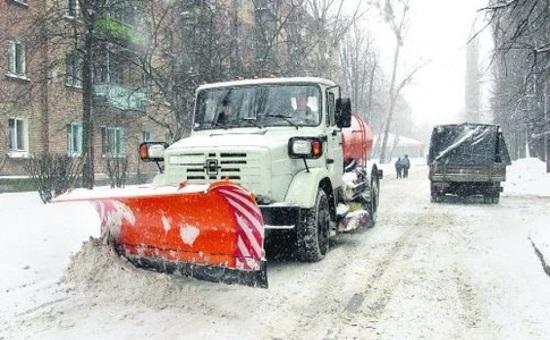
(357, 141)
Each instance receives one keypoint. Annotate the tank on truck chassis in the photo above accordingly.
(467, 159)
(266, 158)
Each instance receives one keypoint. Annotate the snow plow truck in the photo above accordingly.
(266, 158)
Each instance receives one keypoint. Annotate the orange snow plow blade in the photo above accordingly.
(214, 232)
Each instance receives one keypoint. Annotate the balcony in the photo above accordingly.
(122, 32)
(119, 97)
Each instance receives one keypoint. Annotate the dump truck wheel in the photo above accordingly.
(313, 233)
(435, 196)
(491, 198)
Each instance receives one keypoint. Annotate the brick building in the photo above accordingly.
(41, 93)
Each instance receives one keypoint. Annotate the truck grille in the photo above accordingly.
(237, 166)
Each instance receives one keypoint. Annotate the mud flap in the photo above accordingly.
(213, 233)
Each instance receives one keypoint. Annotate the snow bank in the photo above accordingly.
(527, 177)
(98, 269)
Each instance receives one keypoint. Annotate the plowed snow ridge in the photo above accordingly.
(98, 269)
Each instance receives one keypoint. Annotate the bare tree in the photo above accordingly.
(178, 45)
(396, 14)
(472, 93)
(3, 153)
(329, 26)
(213, 44)
(358, 62)
(521, 67)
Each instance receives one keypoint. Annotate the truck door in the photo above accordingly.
(335, 156)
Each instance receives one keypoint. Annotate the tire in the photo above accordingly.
(314, 231)
(435, 196)
(372, 205)
(488, 198)
(491, 198)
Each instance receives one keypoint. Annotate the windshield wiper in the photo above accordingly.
(286, 118)
(252, 120)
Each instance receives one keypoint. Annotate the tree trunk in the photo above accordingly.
(44, 93)
(546, 134)
(393, 98)
(369, 102)
(87, 107)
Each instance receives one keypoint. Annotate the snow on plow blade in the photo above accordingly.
(213, 233)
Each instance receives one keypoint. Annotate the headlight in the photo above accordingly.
(301, 147)
(305, 147)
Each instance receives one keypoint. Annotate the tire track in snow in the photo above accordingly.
(376, 287)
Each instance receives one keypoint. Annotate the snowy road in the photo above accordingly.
(453, 270)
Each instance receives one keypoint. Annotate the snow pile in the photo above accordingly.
(354, 220)
(527, 177)
(98, 270)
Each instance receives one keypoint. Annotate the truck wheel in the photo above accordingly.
(372, 205)
(491, 198)
(435, 195)
(313, 233)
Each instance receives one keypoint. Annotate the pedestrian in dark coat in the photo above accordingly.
(405, 164)
(398, 168)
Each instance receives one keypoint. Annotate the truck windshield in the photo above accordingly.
(258, 105)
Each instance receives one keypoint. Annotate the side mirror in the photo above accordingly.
(152, 151)
(343, 112)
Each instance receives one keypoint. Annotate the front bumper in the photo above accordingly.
(281, 216)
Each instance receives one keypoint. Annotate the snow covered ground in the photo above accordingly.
(527, 177)
(451, 270)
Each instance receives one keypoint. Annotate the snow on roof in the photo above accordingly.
(402, 141)
(293, 80)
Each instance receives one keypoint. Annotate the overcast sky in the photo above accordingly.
(437, 35)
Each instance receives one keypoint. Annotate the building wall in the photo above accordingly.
(47, 103)
(20, 97)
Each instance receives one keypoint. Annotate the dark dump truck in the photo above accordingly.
(467, 159)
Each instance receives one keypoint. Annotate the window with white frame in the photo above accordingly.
(113, 142)
(71, 8)
(17, 135)
(147, 136)
(17, 58)
(73, 69)
(74, 139)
